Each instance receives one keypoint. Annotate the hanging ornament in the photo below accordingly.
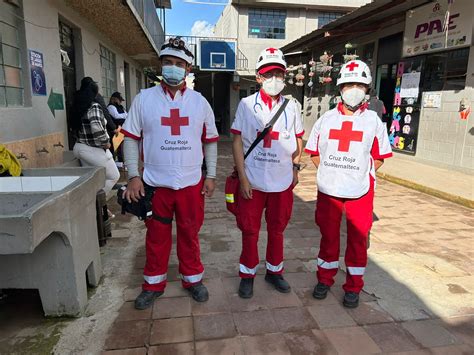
(300, 76)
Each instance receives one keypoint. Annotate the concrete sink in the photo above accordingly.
(48, 235)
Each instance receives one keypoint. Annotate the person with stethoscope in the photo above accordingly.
(267, 176)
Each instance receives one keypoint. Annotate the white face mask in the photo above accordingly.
(353, 97)
(273, 86)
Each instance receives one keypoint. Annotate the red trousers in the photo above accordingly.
(278, 207)
(359, 221)
(188, 206)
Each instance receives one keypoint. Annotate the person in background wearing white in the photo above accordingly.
(119, 114)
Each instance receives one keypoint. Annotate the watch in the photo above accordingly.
(297, 166)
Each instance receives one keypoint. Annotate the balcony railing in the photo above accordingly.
(193, 41)
(147, 12)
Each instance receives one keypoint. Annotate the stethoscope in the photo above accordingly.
(285, 133)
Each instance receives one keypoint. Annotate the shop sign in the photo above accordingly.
(439, 25)
(38, 79)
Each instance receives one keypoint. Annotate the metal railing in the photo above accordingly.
(193, 41)
(147, 12)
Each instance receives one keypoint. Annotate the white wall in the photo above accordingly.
(35, 118)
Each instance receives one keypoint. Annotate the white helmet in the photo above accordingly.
(354, 71)
(271, 56)
(176, 47)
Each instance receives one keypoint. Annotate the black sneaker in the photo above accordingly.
(320, 291)
(351, 300)
(246, 287)
(199, 292)
(146, 299)
(279, 282)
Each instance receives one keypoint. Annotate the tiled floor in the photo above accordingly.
(434, 234)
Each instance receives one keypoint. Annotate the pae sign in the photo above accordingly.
(439, 25)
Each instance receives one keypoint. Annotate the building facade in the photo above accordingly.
(257, 24)
(422, 61)
(48, 46)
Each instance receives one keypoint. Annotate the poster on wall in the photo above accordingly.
(403, 134)
(437, 26)
(38, 79)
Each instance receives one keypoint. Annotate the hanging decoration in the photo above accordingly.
(312, 72)
(324, 68)
(350, 56)
(300, 76)
(295, 74)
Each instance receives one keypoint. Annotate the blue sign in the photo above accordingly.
(38, 79)
(217, 55)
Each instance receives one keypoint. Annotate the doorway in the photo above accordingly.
(66, 39)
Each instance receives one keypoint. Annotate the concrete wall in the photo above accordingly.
(443, 137)
(32, 127)
(327, 4)
(226, 26)
(298, 23)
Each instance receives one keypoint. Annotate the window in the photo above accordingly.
(11, 73)
(446, 70)
(325, 17)
(109, 72)
(267, 23)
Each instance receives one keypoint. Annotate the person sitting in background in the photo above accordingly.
(92, 141)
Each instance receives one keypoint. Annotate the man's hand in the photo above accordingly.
(209, 187)
(135, 190)
(295, 177)
(245, 188)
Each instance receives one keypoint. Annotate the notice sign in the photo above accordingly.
(439, 25)
(38, 79)
(410, 86)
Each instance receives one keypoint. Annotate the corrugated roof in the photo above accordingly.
(367, 18)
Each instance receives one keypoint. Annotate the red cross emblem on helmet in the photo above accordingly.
(269, 56)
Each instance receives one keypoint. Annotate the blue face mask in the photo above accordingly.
(173, 75)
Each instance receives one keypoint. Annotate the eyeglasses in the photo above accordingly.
(269, 75)
(177, 43)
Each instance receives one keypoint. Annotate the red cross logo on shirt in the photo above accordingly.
(269, 137)
(352, 66)
(175, 122)
(271, 50)
(345, 135)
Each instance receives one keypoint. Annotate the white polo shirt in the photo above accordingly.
(348, 146)
(173, 132)
(269, 167)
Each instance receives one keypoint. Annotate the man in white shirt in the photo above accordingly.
(176, 127)
(269, 173)
(347, 145)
